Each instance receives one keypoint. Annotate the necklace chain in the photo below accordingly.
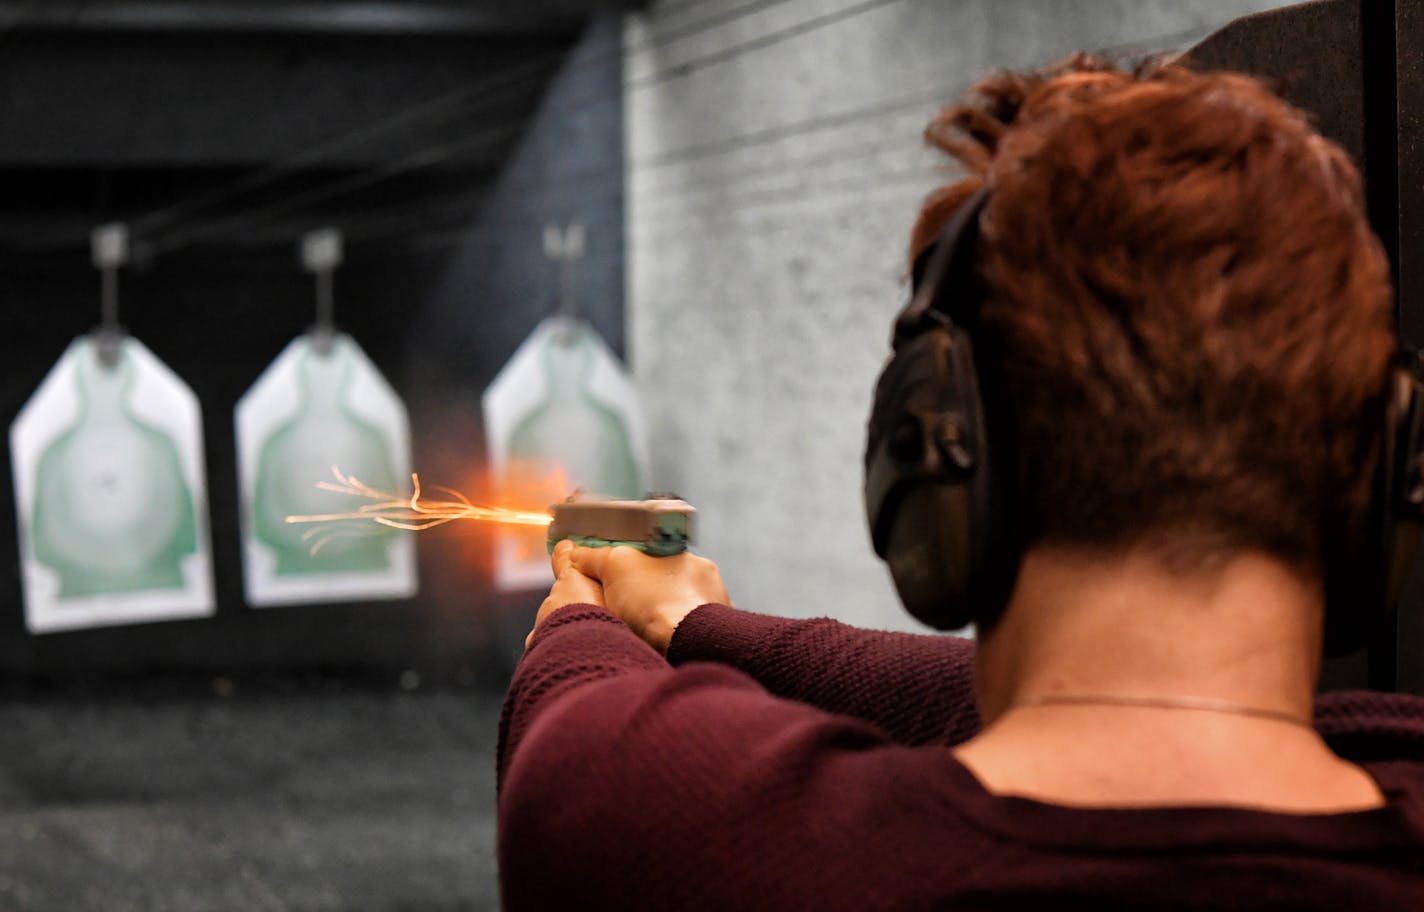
(1201, 704)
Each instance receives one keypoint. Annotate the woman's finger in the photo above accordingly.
(563, 557)
(588, 561)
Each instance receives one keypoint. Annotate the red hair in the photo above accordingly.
(1194, 314)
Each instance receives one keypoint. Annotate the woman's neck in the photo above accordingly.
(1113, 680)
(1248, 632)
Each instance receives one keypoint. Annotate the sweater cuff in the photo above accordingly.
(572, 614)
(718, 633)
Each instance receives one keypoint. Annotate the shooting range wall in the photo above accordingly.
(772, 183)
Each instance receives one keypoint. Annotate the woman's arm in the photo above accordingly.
(625, 783)
(918, 689)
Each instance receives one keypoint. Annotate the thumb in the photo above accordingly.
(561, 557)
(589, 561)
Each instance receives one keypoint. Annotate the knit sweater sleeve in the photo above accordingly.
(1367, 726)
(573, 647)
(918, 689)
(626, 783)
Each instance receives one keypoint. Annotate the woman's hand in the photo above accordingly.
(650, 594)
(570, 588)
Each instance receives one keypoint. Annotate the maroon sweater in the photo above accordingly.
(791, 764)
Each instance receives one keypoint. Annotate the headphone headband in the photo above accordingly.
(935, 302)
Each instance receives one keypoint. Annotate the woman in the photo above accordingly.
(1192, 326)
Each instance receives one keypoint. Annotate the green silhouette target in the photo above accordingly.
(561, 415)
(108, 472)
(315, 409)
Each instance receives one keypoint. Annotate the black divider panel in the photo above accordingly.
(1358, 67)
(1409, 37)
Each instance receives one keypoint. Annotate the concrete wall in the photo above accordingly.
(774, 167)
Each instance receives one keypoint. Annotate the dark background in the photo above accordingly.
(1358, 67)
(310, 757)
(445, 270)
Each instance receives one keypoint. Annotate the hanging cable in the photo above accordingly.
(938, 94)
(848, 184)
(323, 151)
(437, 154)
(732, 186)
(436, 112)
(688, 67)
(668, 7)
(525, 75)
(414, 162)
(433, 155)
(701, 25)
(347, 142)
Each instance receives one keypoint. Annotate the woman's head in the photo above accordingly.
(1195, 317)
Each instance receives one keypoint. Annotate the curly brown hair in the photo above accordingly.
(1194, 315)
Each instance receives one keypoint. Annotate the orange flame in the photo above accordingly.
(413, 514)
(524, 485)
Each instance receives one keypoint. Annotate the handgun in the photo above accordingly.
(660, 526)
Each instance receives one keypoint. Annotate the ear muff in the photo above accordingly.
(1366, 577)
(941, 473)
(936, 494)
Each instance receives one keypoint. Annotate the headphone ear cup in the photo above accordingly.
(927, 549)
(935, 495)
(1364, 586)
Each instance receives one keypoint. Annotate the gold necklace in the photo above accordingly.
(1202, 704)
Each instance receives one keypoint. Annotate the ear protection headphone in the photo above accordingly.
(941, 473)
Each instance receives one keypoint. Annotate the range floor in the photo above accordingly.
(332, 801)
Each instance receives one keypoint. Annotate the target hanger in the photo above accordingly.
(109, 249)
(566, 246)
(321, 253)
